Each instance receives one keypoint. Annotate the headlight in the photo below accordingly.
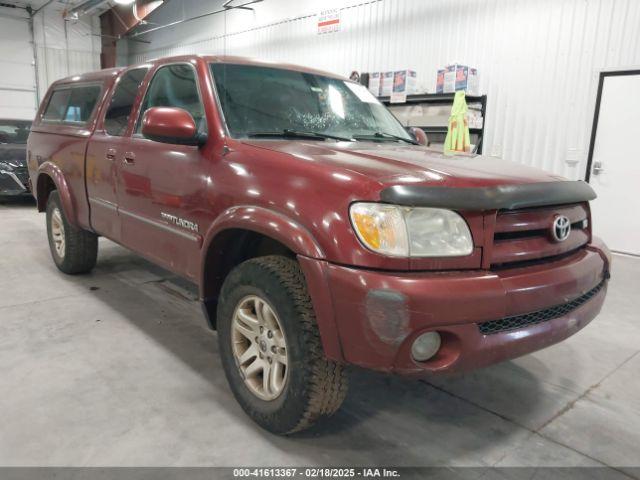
(6, 167)
(411, 232)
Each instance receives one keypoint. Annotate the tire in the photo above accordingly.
(73, 250)
(314, 387)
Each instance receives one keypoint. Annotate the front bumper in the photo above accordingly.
(378, 314)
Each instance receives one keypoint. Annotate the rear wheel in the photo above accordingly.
(271, 350)
(73, 250)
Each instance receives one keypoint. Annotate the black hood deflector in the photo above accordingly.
(501, 197)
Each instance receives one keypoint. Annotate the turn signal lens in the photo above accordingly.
(381, 228)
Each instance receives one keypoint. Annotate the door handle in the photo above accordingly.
(111, 153)
(597, 168)
(129, 158)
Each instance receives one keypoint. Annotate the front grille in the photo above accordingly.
(519, 321)
(522, 236)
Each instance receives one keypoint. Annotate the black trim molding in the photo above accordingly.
(502, 197)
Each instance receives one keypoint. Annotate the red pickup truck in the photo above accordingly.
(319, 231)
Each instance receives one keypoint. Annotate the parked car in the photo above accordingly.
(14, 177)
(319, 232)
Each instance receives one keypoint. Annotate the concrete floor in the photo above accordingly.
(118, 368)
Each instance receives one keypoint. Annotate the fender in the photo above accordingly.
(51, 170)
(297, 239)
(267, 222)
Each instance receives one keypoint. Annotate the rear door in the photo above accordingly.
(106, 152)
(161, 185)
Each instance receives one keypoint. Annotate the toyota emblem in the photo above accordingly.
(561, 228)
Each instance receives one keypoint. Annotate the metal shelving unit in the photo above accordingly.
(435, 132)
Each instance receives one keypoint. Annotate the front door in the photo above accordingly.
(614, 163)
(105, 153)
(161, 185)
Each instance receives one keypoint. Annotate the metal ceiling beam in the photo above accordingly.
(86, 7)
(225, 7)
(45, 5)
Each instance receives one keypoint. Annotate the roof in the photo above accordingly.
(112, 72)
(266, 63)
(91, 76)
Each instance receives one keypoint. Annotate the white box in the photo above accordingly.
(405, 81)
(386, 84)
(461, 77)
(374, 83)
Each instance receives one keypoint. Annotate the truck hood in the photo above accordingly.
(394, 163)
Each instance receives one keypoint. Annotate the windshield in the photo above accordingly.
(263, 101)
(14, 131)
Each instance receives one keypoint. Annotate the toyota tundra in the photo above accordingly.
(319, 231)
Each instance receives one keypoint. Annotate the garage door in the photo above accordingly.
(17, 80)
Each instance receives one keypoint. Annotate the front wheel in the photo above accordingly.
(271, 350)
(73, 250)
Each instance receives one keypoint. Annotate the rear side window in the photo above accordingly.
(117, 117)
(175, 86)
(74, 105)
(57, 105)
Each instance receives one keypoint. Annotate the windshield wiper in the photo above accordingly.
(385, 136)
(288, 133)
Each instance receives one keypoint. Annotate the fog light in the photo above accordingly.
(425, 346)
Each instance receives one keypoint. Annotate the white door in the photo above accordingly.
(615, 164)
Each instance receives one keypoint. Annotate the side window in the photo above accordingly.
(73, 104)
(175, 86)
(81, 104)
(57, 105)
(117, 117)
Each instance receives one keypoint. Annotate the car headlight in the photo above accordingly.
(411, 232)
(6, 167)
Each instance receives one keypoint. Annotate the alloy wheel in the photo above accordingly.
(259, 347)
(57, 232)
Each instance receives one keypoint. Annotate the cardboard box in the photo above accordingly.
(474, 118)
(461, 77)
(386, 84)
(375, 83)
(440, 81)
(470, 84)
(405, 81)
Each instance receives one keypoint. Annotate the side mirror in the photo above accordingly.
(419, 135)
(171, 125)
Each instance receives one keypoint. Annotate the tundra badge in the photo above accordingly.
(179, 222)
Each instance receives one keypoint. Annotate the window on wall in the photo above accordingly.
(175, 86)
(117, 117)
(73, 105)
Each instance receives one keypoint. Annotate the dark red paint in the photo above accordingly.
(167, 124)
(369, 307)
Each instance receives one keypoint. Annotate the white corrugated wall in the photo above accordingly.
(538, 60)
(65, 48)
(17, 80)
(62, 48)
